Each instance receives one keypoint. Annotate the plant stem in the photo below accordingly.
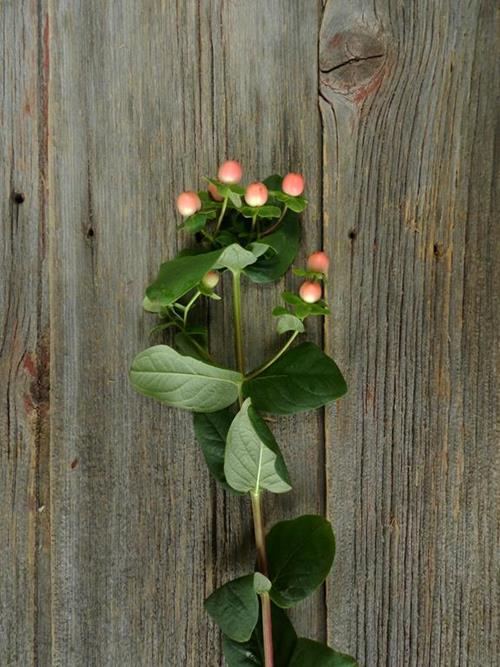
(276, 224)
(260, 543)
(188, 306)
(222, 211)
(238, 332)
(285, 347)
(258, 525)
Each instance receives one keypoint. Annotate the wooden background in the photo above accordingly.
(111, 532)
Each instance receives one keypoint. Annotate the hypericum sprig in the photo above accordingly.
(253, 233)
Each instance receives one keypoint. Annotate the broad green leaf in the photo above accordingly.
(180, 275)
(300, 554)
(235, 608)
(308, 652)
(253, 460)
(183, 382)
(235, 258)
(211, 432)
(279, 310)
(303, 378)
(257, 248)
(289, 323)
(161, 327)
(273, 183)
(188, 346)
(251, 653)
(285, 242)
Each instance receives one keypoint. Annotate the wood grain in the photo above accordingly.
(407, 105)
(140, 537)
(111, 531)
(24, 358)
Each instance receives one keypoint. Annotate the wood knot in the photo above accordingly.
(351, 63)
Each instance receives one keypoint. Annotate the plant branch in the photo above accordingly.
(222, 211)
(271, 361)
(260, 543)
(260, 540)
(276, 224)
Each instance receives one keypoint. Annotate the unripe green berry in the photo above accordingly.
(210, 279)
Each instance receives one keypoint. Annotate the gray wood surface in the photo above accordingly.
(111, 532)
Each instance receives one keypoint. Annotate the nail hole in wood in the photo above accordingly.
(352, 234)
(438, 250)
(90, 232)
(73, 464)
(18, 197)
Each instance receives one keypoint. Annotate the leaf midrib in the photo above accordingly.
(191, 375)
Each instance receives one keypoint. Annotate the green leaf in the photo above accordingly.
(261, 583)
(151, 306)
(300, 554)
(233, 192)
(257, 248)
(266, 212)
(289, 323)
(189, 347)
(235, 258)
(285, 242)
(304, 378)
(194, 223)
(297, 204)
(251, 653)
(180, 275)
(235, 608)
(253, 460)
(211, 430)
(273, 183)
(292, 299)
(279, 310)
(183, 382)
(308, 652)
(161, 327)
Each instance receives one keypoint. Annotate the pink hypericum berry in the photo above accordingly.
(230, 172)
(212, 189)
(293, 184)
(188, 203)
(310, 292)
(256, 194)
(210, 279)
(318, 262)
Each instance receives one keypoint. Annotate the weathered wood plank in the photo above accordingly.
(408, 182)
(145, 100)
(272, 124)
(24, 354)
